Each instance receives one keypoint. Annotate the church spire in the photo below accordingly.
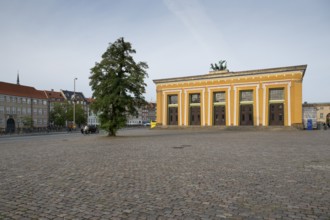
(17, 77)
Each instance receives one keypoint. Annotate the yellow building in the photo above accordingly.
(263, 97)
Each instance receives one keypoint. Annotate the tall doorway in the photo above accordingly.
(246, 114)
(195, 109)
(276, 107)
(246, 107)
(10, 128)
(276, 114)
(172, 110)
(173, 116)
(219, 108)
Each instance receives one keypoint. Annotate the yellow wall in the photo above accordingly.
(260, 84)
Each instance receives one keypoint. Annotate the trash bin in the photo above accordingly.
(309, 124)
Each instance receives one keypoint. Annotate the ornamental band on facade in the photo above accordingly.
(263, 97)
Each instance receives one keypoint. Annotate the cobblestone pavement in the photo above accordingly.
(167, 174)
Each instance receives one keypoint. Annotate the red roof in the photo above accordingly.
(90, 100)
(22, 91)
(55, 95)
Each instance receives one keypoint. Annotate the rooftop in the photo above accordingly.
(224, 74)
(21, 91)
(54, 94)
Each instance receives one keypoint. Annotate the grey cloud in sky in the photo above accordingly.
(51, 42)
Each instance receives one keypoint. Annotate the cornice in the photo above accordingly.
(226, 74)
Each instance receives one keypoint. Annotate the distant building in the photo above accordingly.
(78, 97)
(149, 112)
(92, 118)
(322, 111)
(20, 103)
(134, 120)
(53, 97)
(145, 114)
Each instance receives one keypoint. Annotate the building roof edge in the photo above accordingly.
(301, 68)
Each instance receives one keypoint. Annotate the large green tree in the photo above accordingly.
(118, 85)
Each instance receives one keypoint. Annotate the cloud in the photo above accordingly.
(206, 33)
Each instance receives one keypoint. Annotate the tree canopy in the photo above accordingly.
(62, 112)
(58, 114)
(118, 85)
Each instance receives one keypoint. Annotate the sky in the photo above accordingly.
(51, 42)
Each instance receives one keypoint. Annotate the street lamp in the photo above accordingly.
(74, 102)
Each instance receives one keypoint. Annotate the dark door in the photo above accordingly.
(10, 126)
(195, 116)
(246, 115)
(276, 114)
(173, 116)
(219, 115)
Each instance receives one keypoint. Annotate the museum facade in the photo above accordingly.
(263, 97)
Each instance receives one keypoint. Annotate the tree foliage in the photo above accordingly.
(80, 115)
(27, 121)
(62, 112)
(118, 85)
(58, 114)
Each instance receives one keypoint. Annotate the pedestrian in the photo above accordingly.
(82, 129)
(86, 129)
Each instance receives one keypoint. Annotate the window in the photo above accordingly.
(19, 100)
(35, 111)
(321, 108)
(2, 98)
(40, 111)
(40, 102)
(173, 99)
(39, 121)
(246, 96)
(18, 111)
(45, 111)
(219, 97)
(2, 109)
(24, 100)
(8, 110)
(276, 94)
(13, 99)
(7, 99)
(28, 101)
(29, 111)
(45, 102)
(23, 111)
(195, 98)
(321, 115)
(34, 101)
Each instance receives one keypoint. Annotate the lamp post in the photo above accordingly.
(74, 102)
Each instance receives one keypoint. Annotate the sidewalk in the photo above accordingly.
(36, 133)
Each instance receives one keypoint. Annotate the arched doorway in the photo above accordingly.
(10, 126)
(328, 120)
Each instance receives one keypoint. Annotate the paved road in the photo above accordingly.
(167, 174)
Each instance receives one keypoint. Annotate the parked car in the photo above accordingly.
(93, 129)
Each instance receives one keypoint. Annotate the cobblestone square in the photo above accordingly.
(167, 174)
